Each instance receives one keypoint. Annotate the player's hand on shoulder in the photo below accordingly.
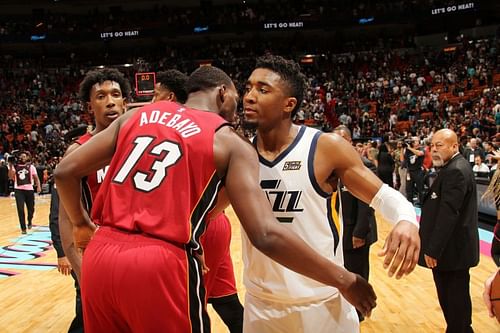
(359, 293)
(401, 249)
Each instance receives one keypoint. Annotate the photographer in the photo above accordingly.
(23, 173)
(414, 157)
(401, 168)
(4, 179)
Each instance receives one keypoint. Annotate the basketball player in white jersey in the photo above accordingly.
(299, 168)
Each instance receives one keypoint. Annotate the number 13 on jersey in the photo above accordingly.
(158, 169)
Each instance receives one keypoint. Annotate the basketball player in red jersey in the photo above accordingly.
(166, 165)
(220, 284)
(104, 91)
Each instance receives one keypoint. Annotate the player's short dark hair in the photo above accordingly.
(99, 76)
(175, 81)
(207, 77)
(290, 73)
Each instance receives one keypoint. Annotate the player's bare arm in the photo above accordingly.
(237, 159)
(94, 154)
(66, 231)
(402, 245)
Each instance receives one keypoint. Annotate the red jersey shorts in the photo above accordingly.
(136, 283)
(216, 241)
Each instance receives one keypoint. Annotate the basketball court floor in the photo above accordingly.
(34, 297)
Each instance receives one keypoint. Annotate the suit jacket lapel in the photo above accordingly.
(439, 176)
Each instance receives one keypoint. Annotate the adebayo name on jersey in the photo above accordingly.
(184, 126)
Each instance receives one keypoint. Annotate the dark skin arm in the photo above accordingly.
(66, 232)
(402, 245)
(63, 265)
(94, 154)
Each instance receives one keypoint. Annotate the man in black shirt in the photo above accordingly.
(4, 179)
(414, 157)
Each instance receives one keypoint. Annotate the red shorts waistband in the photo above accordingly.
(117, 235)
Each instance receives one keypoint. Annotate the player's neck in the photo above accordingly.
(202, 101)
(98, 128)
(272, 142)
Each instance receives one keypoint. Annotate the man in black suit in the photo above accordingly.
(360, 227)
(414, 158)
(449, 230)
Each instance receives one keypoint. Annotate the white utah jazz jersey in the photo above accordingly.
(301, 205)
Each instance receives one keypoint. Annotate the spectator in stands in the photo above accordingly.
(472, 150)
(385, 164)
(479, 166)
(403, 167)
(372, 152)
(427, 162)
(369, 87)
(497, 117)
(489, 153)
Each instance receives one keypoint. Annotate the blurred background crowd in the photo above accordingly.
(392, 72)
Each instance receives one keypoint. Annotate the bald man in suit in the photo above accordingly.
(449, 230)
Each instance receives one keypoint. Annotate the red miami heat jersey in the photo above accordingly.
(162, 179)
(92, 182)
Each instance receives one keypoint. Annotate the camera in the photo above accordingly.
(12, 158)
(405, 143)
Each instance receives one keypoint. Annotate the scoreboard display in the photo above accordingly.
(145, 84)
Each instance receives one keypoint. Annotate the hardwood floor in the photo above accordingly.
(39, 299)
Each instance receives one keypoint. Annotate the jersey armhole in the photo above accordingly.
(223, 125)
(310, 165)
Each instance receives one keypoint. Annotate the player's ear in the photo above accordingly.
(222, 93)
(290, 104)
(89, 108)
